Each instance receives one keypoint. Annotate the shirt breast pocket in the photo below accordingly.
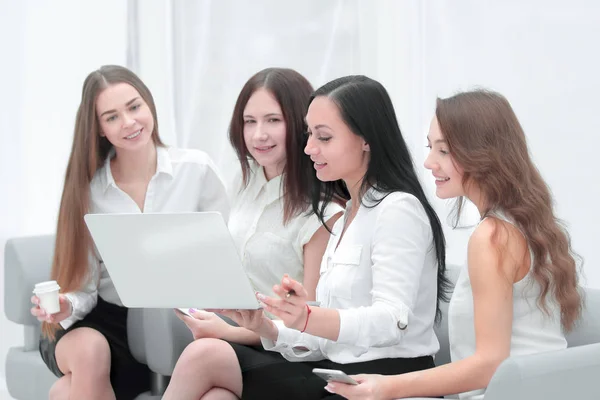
(345, 263)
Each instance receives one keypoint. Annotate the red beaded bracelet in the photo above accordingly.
(308, 311)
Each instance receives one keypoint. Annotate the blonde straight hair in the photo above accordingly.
(89, 151)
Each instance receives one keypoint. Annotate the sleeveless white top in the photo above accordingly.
(533, 331)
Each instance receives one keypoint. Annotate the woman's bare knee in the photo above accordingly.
(198, 354)
(202, 366)
(61, 388)
(83, 350)
(219, 394)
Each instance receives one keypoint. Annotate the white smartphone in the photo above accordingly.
(334, 375)
(185, 311)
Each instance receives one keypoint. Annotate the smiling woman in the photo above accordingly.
(380, 273)
(131, 118)
(271, 223)
(118, 164)
(518, 293)
(264, 132)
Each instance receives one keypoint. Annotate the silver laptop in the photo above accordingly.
(172, 260)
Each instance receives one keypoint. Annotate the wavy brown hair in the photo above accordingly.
(292, 91)
(487, 141)
(73, 246)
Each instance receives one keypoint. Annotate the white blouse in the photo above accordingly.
(185, 181)
(532, 330)
(383, 280)
(268, 247)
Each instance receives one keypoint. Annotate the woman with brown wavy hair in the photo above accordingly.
(118, 164)
(519, 292)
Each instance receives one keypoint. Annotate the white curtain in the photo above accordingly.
(197, 55)
(47, 50)
(541, 55)
(210, 48)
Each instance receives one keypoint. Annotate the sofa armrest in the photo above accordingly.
(556, 375)
(135, 334)
(27, 261)
(157, 338)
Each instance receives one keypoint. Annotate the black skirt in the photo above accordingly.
(127, 376)
(267, 375)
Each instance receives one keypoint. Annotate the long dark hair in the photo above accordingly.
(487, 141)
(292, 91)
(367, 110)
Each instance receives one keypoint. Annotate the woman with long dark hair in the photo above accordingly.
(381, 276)
(519, 291)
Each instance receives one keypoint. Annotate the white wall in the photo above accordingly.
(196, 55)
(542, 55)
(47, 50)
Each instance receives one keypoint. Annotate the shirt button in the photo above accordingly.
(401, 326)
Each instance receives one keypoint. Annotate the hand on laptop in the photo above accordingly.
(204, 324)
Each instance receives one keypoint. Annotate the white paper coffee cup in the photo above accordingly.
(47, 292)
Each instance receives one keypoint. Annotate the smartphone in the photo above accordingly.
(185, 311)
(334, 375)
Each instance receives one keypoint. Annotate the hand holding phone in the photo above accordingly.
(334, 375)
(185, 311)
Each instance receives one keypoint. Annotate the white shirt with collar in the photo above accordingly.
(383, 280)
(185, 181)
(268, 247)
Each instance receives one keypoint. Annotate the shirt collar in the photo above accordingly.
(163, 161)
(108, 177)
(274, 189)
(258, 182)
(163, 165)
(372, 193)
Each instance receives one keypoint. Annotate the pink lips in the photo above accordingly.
(320, 165)
(140, 134)
(264, 149)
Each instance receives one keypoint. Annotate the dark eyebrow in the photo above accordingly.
(126, 104)
(266, 115)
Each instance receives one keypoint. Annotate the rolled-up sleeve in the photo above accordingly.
(401, 240)
(294, 345)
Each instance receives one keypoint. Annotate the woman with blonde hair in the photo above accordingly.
(118, 164)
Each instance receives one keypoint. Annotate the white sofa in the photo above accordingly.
(157, 338)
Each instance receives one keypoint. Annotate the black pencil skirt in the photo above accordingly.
(267, 375)
(128, 377)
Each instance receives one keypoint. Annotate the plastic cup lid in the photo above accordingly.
(48, 286)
